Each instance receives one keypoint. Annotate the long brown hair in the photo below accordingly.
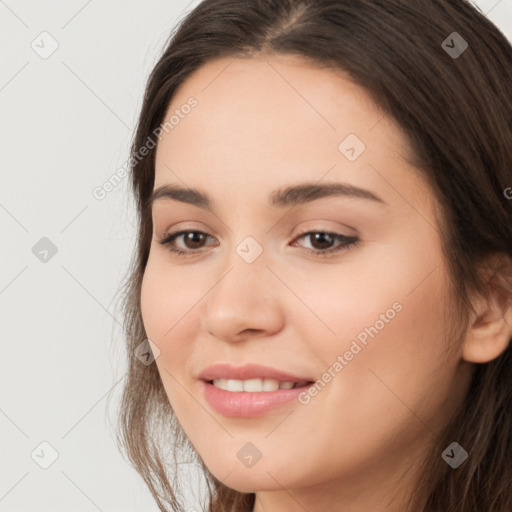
(456, 113)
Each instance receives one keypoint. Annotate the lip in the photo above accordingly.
(249, 371)
(243, 404)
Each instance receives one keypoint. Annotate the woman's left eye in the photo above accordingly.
(321, 239)
(324, 237)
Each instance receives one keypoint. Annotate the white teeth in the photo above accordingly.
(235, 385)
(252, 385)
(270, 385)
(221, 384)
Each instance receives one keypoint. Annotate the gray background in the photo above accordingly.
(66, 123)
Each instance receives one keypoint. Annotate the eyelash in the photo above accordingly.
(349, 243)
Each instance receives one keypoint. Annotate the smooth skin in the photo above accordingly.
(266, 123)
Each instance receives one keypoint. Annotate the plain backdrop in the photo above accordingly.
(72, 75)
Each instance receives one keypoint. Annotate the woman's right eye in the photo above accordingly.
(169, 239)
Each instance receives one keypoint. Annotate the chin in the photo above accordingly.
(253, 479)
(251, 484)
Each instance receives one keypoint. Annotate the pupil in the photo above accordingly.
(190, 237)
(321, 236)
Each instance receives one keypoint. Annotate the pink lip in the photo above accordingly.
(243, 404)
(250, 371)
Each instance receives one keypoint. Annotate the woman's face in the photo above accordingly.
(367, 320)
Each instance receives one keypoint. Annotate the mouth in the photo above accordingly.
(252, 397)
(250, 390)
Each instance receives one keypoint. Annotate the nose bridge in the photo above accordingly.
(245, 281)
(244, 297)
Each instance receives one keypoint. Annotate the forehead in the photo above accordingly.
(272, 118)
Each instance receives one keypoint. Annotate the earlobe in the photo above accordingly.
(490, 330)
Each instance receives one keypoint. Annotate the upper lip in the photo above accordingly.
(250, 371)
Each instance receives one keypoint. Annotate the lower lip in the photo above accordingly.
(245, 404)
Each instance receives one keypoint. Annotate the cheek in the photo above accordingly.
(151, 297)
(166, 308)
(167, 301)
(364, 301)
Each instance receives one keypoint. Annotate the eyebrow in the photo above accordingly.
(289, 196)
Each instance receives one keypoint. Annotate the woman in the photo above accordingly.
(323, 272)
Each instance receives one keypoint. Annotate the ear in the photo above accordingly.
(490, 329)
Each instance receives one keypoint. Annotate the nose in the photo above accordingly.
(244, 303)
